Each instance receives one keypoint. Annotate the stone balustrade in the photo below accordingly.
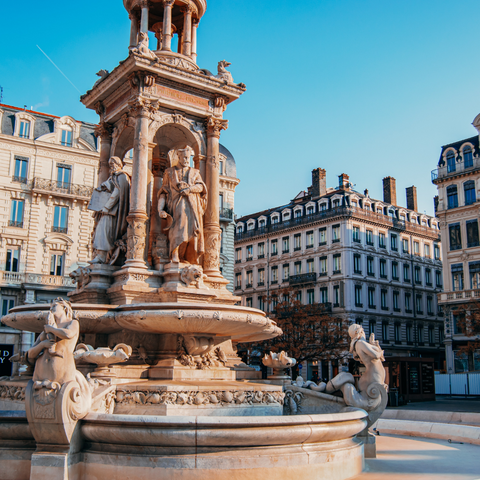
(17, 278)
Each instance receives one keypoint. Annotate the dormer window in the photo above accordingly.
(298, 213)
(336, 203)
(66, 140)
(467, 157)
(310, 210)
(261, 224)
(24, 131)
(286, 216)
(274, 220)
(450, 162)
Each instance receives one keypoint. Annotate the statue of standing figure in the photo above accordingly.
(111, 202)
(182, 202)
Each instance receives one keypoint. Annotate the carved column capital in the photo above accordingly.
(99, 108)
(215, 126)
(188, 9)
(168, 3)
(144, 3)
(103, 130)
(140, 107)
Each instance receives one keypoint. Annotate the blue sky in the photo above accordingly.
(365, 87)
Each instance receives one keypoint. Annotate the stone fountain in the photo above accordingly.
(137, 376)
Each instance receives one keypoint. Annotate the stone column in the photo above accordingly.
(187, 31)
(137, 218)
(194, 41)
(144, 19)
(133, 30)
(104, 132)
(158, 29)
(167, 25)
(212, 231)
(180, 41)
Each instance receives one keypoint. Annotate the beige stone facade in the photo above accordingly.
(458, 181)
(370, 261)
(48, 168)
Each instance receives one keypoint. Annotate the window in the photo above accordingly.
(474, 269)
(337, 263)
(322, 236)
(408, 303)
(261, 224)
(396, 296)
(369, 237)
(310, 210)
(436, 252)
(298, 268)
(358, 296)
(450, 162)
(336, 295)
(274, 247)
(420, 334)
(370, 266)
(240, 229)
(383, 299)
(385, 331)
(455, 236)
(426, 249)
(24, 131)
(431, 335)
(452, 196)
(416, 248)
(274, 275)
(418, 276)
(469, 189)
(261, 250)
(238, 255)
(381, 240)
(285, 244)
(21, 170)
(472, 233)
(298, 213)
(16, 213)
(12, 263)
(441, 335)
(309, 239)
(220, 171)
(7, 304)
(250, 226)
(298, 296)
(286, 216)
(393, 242)
(57, 261)
(357, 263)
(336, 233)
(467, 157)
(324, 295)
(286, 272)
(249, 302)
(311, 297)
(438, 278)
(396, 332)
(409, 334)
(406, 272)
(261, 277)
(356, 234)
(371, 327)
(249, 252)
(64, 175)
(405, 245)
(297, 242)
(429, 306)
(275, 220)
(394, 270)
(428, 277)
(323, 266)
(238, 281)
(371, 297)
(261, 303)
(419, 304)
(249, 279)
(66, 140)
(310, 266)
(274, 302)
(60, 219)
(323, 207)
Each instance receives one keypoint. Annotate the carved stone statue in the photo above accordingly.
(142, 47)
(223, 73)
(111, 201)
(182, 202)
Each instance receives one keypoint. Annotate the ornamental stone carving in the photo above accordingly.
(215, 126)
(142, 48)
(212, 252)
(193, 276)
(223, 74)
(137, 232)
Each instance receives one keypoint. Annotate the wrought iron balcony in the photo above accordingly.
(12, 223)
(60, 230)
(83, 192)
(302, 278)
(226, 214)
(16, 178)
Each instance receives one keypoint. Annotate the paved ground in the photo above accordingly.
(422, 459)
(447, 404)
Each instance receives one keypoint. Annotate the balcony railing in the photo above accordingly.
(60, 229)
(62, 188)
(302, 278)
(16, 278)
(12, 223)
(452, 170)
(459, 296)
(226, 214)
(340, 211)
(16, 178)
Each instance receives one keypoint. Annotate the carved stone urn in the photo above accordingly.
(103, 357)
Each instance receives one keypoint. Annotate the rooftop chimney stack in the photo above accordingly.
(343, 181)
(390, 191)
(319, 182)
(412, 198)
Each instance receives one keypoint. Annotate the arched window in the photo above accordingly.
(467, 157)
(469, 189)
(451, 162)
(452, 196)
(240, 229)
(309, 210)
(261, 223)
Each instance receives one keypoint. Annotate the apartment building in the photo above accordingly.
(457, 178)
(369, 261)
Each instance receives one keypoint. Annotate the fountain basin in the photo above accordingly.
(241, 324)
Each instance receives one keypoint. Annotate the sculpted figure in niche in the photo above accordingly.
(111, 202)
(182, 202)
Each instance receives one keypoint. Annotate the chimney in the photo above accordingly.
(343, 181)
(319, 182)
(412, 198)
(389, 191)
